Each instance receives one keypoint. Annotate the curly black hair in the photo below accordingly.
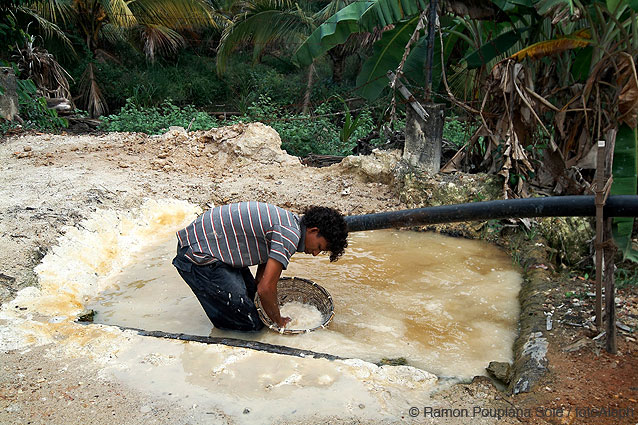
(331, 225)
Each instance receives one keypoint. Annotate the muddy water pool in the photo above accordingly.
(446, 305)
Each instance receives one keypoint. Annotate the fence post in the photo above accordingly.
(423, 138)
(8, 94)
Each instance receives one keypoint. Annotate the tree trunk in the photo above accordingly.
(306, 98)
(338, 64)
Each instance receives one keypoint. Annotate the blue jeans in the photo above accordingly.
(226, 293)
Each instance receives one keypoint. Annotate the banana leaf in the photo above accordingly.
(625, 172)
(551, 47)
(414, 65)
(387, 55)
(359, 16)
(544, 7)
(493, 48)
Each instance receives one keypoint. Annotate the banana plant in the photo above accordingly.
(625, 172)
(359, 16)
(349, 125)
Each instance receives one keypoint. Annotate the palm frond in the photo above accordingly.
(113, 33)
(93, 100)
(330, 9)
(158, 39)
(177, 14)
(49, 29)
(40, 66)
(54, 10)
(119, 13)
(260, 28)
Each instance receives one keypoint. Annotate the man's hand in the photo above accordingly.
(268, 277)
(284, 321)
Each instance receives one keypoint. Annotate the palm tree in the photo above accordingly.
(151, 25)
(264, 23)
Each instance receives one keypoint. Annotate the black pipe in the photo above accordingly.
(555, 206)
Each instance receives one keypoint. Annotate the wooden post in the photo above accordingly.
(610, 292)
(8, 94)
(609, 250)
(600, 203)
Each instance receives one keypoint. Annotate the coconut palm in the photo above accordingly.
(262, 23)
(268, 23)
(153, 26)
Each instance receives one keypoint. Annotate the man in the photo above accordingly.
(215, 251)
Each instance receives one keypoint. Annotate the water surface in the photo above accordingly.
(447, 305)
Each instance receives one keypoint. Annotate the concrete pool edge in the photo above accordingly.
(530, 347)
(230, 342)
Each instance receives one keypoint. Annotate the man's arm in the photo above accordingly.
(260, 272)
(267, 289)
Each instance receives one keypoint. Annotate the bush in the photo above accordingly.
(192, 80)
(457, 132)
(157, 120)
(302, 134)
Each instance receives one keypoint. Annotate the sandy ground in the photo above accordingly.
(51, 182)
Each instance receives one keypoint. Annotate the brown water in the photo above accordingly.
(447, 305)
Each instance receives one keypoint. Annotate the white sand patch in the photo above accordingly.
(303, 316)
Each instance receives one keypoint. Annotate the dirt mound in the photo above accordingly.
(378, 167)
(236, 145)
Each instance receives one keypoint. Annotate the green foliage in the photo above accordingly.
(625, 172)
(191, 80)
(10, 32)
(304, 134)
(359, 16)
(156, 120)
(387, 55)
(494, 48)
(300, 134)
(457, 132)
(626, 274)
(248, 82)
(349, 125)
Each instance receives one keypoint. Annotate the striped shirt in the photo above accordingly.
(243, 234)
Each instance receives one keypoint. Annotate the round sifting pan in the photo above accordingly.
(304, 291)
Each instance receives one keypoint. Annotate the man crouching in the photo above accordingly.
(215, 251)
